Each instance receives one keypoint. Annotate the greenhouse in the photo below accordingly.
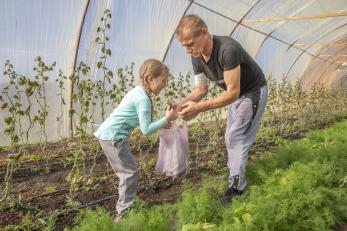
(173, 115)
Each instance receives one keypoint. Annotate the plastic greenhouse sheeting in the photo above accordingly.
(303, 49)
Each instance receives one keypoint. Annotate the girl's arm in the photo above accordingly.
(147, 127)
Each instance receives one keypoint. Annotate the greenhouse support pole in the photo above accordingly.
(173, 35)
(306, 48)
(268, 35)
(70, 106)
(332, 15)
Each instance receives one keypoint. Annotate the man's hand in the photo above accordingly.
(189, 110)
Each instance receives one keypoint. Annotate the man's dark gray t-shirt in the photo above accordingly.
(227, 54)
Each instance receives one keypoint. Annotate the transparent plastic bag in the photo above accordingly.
(173, 154)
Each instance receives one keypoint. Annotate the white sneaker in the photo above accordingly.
(118, 217)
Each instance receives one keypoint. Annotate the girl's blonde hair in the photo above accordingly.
(154, 68)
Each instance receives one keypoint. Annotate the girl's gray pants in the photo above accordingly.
(119, 155)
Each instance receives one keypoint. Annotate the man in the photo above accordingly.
(222, 60)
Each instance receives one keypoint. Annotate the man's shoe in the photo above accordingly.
(229, 194)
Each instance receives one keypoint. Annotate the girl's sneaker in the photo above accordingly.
(118, 217)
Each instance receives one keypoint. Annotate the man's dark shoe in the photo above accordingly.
(229, 194)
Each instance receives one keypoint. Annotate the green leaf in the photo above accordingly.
(4, 106)
(9, 130)
(71, 112)
(8, 120)
(110, 73)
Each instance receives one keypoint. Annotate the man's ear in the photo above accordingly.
(204, 31)
(149, 78)
(145, 79)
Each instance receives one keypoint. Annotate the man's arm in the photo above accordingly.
(198, 93)
(232, 81)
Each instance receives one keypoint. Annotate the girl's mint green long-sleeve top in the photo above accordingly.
(134, 110)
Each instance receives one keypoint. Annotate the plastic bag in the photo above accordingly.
(173, 151)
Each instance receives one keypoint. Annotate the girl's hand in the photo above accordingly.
(171, 114)
(169, 125)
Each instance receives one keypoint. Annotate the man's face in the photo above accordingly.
(195, 45)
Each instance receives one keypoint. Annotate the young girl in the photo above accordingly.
(135, 109)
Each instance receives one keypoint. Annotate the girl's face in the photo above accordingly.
(156, 84)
